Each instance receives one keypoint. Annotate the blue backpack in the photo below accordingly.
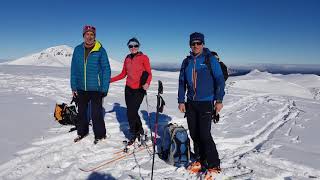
(175, 145)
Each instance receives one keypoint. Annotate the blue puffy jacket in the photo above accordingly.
(92, 74)
(196, 78)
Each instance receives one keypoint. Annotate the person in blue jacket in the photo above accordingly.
(90, 77)
(205, 93)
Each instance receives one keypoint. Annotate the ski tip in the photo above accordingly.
(84, 170)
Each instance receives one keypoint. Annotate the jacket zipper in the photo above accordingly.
(99, 80)
(85, 68)
(194, 78)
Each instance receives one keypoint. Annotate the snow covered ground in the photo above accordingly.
(268, 128)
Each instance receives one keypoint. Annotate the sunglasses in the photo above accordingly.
(133, 46)
(89, 27)
(196, 43)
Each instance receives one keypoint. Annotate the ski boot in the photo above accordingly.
(132, 140)
(212, 172)
(194, 167)
(96, 140)
(78, 138)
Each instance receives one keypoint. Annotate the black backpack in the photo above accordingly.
(66, 114)
(223, 66)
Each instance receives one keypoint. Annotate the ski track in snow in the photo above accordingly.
(248, 146)
(244, 157)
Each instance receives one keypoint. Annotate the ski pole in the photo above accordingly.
(149, 116)
(155, 135)
(160, 91)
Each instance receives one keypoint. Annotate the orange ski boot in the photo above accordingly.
(212, 172)
(195, 167)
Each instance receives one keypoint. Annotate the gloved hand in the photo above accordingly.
(215, 117)
(74, 93)
(104, 94)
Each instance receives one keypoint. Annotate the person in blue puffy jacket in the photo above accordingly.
(205, 91)
(90, 77)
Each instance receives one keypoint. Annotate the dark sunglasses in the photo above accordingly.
(196, 43)
(89, 27)
(131, 46)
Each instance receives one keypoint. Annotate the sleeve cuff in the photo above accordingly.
(181, 101)
(218, 101)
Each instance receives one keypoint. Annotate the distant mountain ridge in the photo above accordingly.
(4, 60)
(236, 70)
(276, 68)
(60, 56)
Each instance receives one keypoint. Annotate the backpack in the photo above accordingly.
(175, 145)
(223, 66)
(66, 114)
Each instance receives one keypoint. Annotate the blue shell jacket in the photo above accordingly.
(195, 77)
(93, 73)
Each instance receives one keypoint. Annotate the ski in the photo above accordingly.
(117, 158)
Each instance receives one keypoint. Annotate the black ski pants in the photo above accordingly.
(98, 124)
(199, 120)
(134, 98)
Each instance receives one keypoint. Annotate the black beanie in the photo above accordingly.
(196, 36)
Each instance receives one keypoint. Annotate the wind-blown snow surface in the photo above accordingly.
(268, 129)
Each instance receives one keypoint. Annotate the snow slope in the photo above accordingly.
(57, 56)
(268, 128)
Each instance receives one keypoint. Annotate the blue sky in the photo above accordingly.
(241, 31)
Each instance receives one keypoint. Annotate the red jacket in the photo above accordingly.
(133, 68)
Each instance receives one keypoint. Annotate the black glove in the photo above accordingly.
(144, 78)
(215, 117)
(75, 100)
(104, 94)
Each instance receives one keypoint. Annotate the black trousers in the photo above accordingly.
(199, 124)
(134, 98)
(99, 128)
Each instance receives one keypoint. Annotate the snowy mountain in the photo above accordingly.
(57, 56)
(268, 128)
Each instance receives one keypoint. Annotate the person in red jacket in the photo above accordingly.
(136, 65)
